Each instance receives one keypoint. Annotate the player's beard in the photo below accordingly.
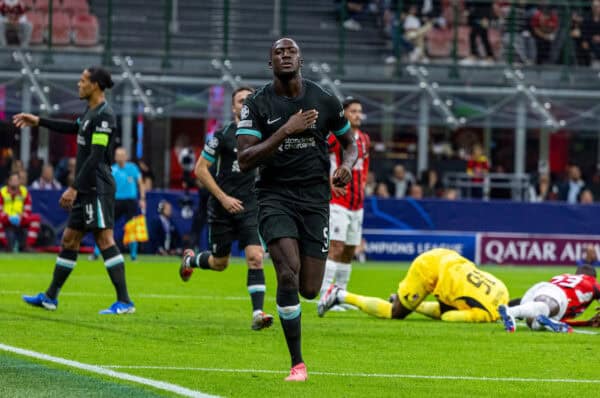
(287, 76)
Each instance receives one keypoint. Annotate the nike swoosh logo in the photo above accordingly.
(269, 121)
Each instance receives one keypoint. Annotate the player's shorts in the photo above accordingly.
(126, 207)
(550, 290)
(345, 225)
(92, 212)
(222, 232)
(307, 222)
(413, 289)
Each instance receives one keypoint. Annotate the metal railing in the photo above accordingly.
(492, 185)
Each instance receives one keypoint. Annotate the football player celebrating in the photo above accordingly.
(283, 131)
(552, 305)
(463, 292)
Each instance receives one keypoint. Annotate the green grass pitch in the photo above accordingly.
(197, 335)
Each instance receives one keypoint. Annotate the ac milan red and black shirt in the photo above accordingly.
(355, 190)
(580, 290)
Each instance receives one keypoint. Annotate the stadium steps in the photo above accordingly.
(201, 30)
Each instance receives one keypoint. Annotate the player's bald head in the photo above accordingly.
(284, 42)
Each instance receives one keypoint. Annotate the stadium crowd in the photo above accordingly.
(539, 32)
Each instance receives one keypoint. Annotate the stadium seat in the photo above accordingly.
(495, 37)
(38, 22)
(61, 29)
(75, 7)
(29, 4)
(464, 46)
(43, 5)
(85, 30)
(439, 42)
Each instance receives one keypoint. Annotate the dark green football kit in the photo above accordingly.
(94, 205)
(225, 228)
(293, 184)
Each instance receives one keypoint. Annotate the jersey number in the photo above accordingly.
(567, 281)
(477, 279)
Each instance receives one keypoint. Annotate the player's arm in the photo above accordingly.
(207, 158)
(334, 149)
(87, 173)
(61, 126)
(342, 131)
(252, 149)
(343, 174)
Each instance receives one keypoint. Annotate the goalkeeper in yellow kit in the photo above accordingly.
(463, 292)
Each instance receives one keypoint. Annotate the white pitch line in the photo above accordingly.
(161, 385)
(368, 375)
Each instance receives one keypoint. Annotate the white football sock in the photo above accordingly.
(342, 275)
(328, 278)
(528, 310)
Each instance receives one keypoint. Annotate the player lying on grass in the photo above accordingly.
(553, 305)
(463, 292)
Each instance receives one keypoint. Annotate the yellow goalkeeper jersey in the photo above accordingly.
(455, 282)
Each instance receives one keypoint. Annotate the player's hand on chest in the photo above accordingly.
(302, 118)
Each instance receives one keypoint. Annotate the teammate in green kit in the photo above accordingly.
(283, 130)
(91, 198)
(231, 212)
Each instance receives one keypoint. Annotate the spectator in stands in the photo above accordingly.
(355, 9)
(15, 212)
(46, 180)
(544, 25)
(17, 165)
(13, 18)
(392, 21)
(164, 234)
(594, 185)
(581, 53)
(414, 33)
(523, 43)
(591, 31)
(382, 191)
(23, 178)
(432, 187)
(416, 191)
(450, 194)
(399, 183)
(590, 257)
(431, 11)
(586, 197)
(543, 190)
(569, 191)
(479, 15)
(65, 171)
(371, 184)
(478, 168)
(34, 171)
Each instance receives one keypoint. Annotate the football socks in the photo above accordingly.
(65, 262)
(115, 265)
(256, 288)
(290, 314)
(371, 305)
